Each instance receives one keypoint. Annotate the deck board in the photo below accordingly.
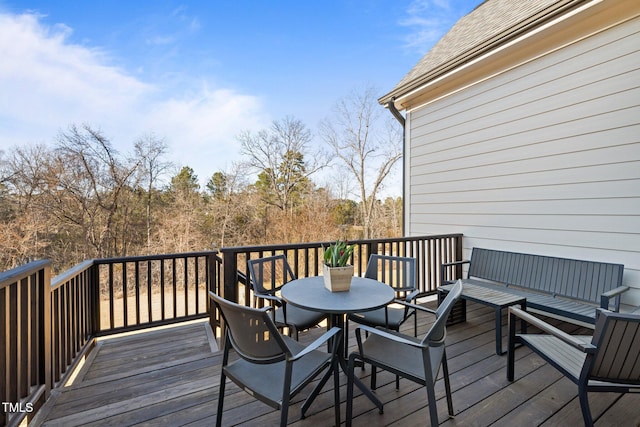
(170, 377)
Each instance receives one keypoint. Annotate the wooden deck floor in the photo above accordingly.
(170, 377)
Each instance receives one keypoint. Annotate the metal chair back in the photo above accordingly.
(252, 332)
(265, 368)
(269, 274)
(617, 358)
(397, 272)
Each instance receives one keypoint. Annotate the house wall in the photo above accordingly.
(541, 158)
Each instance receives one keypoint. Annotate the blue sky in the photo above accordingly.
(197, 73)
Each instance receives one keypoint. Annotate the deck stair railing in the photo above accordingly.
(48, 325)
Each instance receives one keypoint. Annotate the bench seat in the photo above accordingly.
(562, 287)
(581, 311)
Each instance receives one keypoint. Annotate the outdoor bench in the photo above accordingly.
(566, 288)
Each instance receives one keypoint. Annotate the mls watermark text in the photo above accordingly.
(14, 408)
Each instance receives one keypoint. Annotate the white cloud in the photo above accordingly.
(160, 40)
(428, 21)
(48, 83)
(44, 79)
(193, 23)
(202, 129)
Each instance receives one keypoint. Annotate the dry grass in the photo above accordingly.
(151, 308)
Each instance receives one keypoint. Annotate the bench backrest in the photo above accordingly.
(583, 280)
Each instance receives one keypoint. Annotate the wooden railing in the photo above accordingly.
(140, 292)
(72, 310)
(25, 362)
(47, 325)
(306, 260)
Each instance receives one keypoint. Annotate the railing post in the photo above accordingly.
(458, 256)
(372, 249)
(212, 286)
(229, 289)
(46, 377)
(95, 298)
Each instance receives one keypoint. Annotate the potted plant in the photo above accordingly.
(337, 273)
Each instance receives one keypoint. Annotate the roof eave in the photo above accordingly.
(472, 54)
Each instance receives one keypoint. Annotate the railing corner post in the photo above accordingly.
(230, 286)
(95, 298)
(47, 332)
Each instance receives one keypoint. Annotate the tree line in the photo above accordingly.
(80, 198)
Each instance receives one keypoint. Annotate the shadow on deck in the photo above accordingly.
(170, 377)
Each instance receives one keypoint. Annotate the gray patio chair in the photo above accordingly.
(272, 367)
(418, 360)
(268, 275)
(607, 362)
(400, 274)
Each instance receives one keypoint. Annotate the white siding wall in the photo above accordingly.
(544, 158)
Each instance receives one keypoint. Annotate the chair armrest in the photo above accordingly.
(317, 343)
(274, 301)
(274, 298)
(551, 330)
(412, 296)
(450, 264)
(606, 296)
(416, 306)
(384, 334)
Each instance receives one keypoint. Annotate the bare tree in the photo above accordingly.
(281, 158)
(24, 224)
(87, 184)
(150, 150)
(24, 170)
(228, 204)
(366, 144)
(279, 155)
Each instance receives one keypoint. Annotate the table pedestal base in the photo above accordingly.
(338, 320)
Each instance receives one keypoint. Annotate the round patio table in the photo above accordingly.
(364, 295)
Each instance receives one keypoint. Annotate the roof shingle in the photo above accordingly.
(485, 23)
